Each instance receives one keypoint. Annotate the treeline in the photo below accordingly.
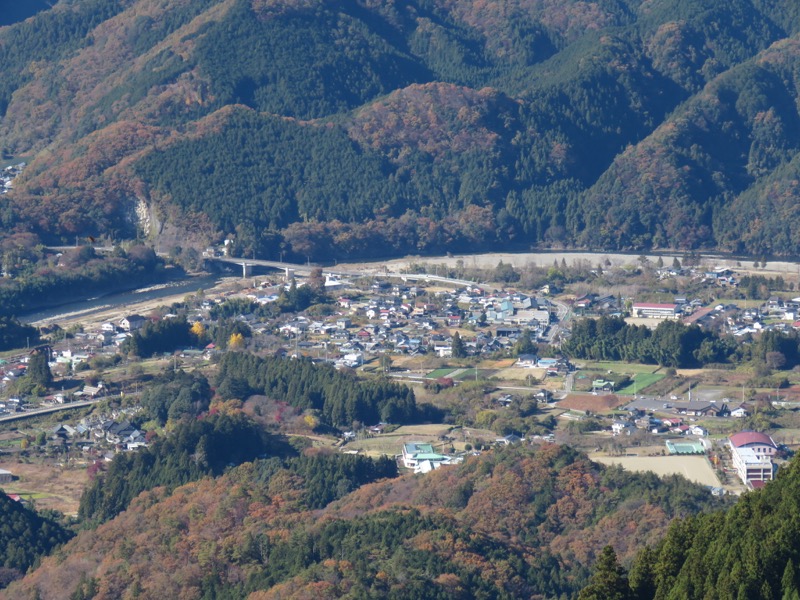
(176, 394)
(206, 447)
(25, 537)
(14, 334)
(81, 273)
(340, 398)
(673, 344)
(156, 337)
(758, 287)
(329, 477)
(196, 448)
(747, 552)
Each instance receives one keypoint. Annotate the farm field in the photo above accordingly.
(694, 468)
(443, 372)
(641, 382)
(617, 367)
(520, 374)
(50, 487)
(467, 374)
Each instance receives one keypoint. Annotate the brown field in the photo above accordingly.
(50, 486)
(694, 468)
(519, 374)
(590, 402)
(502, 363)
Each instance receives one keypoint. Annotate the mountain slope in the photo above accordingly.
(620, 124)
(747, 551)
(511, 523)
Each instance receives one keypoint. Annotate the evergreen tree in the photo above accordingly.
(458, 346)
(39, 370)
(609, 581)
(789, 589)
(524, 344)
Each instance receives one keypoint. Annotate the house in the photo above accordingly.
(602, 385)
(511, 439)
(6, 476)
(695, 408)
(526, 360)
(622, 427)
(132, 323)
(752, 454)
(741, 412)
(416, 452)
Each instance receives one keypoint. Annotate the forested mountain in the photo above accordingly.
(512, 523)
(749, 551)
(326, 129)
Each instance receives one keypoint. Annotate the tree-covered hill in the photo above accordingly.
(748, 551)
(25, 537)
(511, 523)
(327, 128)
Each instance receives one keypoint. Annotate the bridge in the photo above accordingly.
(247, 264)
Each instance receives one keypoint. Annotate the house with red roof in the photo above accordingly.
(752, 454)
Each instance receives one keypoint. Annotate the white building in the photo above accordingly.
(752, 454)
(648, 310)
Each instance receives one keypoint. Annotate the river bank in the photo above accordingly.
(114, 306)
(546, 259)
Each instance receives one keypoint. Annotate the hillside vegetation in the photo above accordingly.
(320, 127)
(508, 524)
(748, 551)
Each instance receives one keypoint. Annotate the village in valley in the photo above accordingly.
(482, 348)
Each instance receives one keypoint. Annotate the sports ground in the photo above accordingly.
(694, 468)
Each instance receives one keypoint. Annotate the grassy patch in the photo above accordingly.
(641, 382)
(468, 374)
(443, 372)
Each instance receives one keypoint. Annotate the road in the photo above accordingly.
(46, 411)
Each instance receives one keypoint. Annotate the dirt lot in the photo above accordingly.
(694, 468)
(50, 487)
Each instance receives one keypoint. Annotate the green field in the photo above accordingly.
(443, 372)
(467, 374)
(642, 381)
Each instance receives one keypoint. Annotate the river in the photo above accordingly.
(86, 308)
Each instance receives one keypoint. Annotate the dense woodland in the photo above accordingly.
(673, 344)
(25, 537)
(14, 334)
(338, 398)
(195, 449)
(323, 130)
(511, 523)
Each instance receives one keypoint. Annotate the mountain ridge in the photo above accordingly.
(605, 125)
